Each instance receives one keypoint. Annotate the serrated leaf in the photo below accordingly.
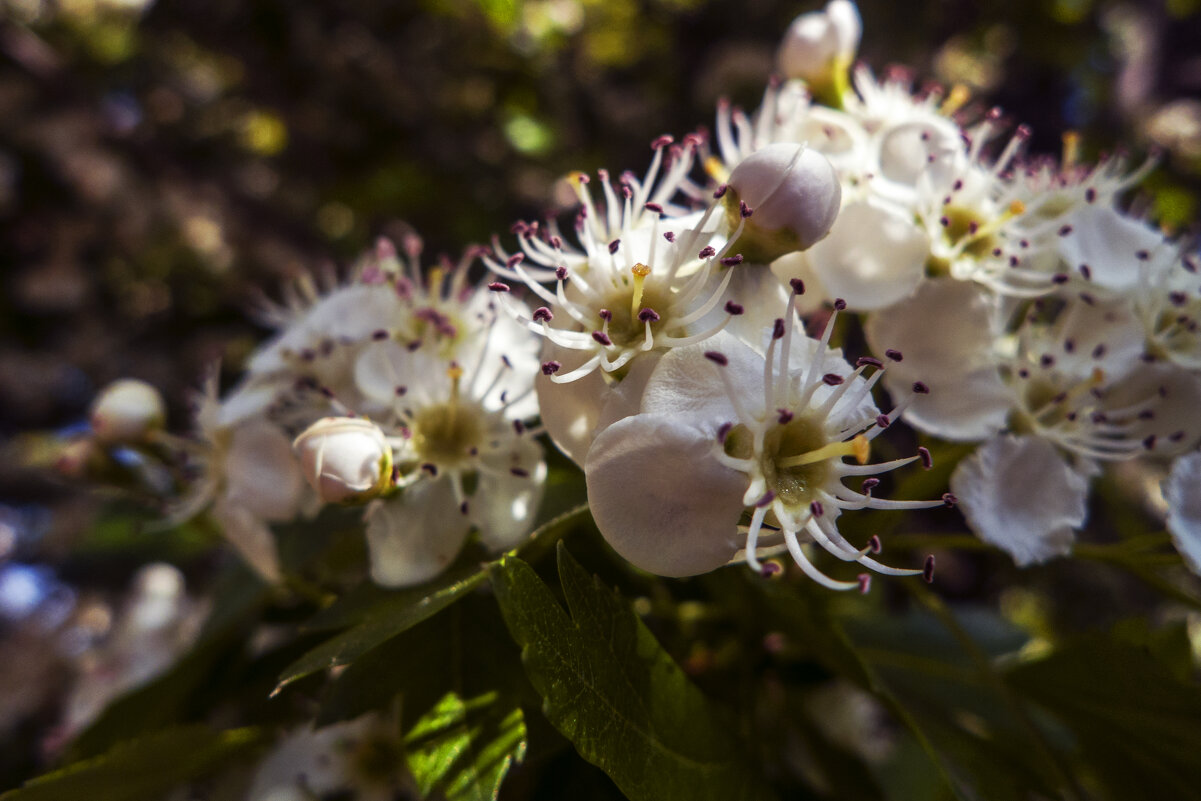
(1137, 725)
(376, 615)
(612, 690)
(393, 613)
(465, 748)
(141, 769)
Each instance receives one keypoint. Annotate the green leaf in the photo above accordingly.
(465, 748)
(375, 615)
(612, 690)
(1137, 725)
(141, 769)
(388, 615)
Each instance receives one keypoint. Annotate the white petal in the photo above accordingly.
(661, 499)
(251, 537)
(1107, 242)
(415, 536)
(1018, 494)
(873, 257)
(570, 410)
(261, 474)
(1183, 493)
(504, 505)
(687, 385)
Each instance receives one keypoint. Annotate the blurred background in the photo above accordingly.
(161, 164)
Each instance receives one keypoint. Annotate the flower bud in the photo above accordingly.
(345, 459)
(793, 194)
(127, 411)
(819, 46)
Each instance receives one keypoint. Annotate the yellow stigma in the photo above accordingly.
(436, 276)
(1071, 148)
(716, 169)
(956, 99)
(640, 271)
(1017, 207)
(858, 447)
(455, 373)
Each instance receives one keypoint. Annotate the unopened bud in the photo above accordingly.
(345, 459)
(127, 410)
(795, 194)
(820, 45)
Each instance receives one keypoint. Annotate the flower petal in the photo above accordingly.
(504, 503)
(660, 498)
(414, 537)
(1018, 494)
(1182, 489)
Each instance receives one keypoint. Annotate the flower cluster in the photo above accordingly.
(676, 345)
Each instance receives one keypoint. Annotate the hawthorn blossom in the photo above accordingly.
(127, 410)
(724, 430)
(1182, 491)
(819, 46)
(463, 458)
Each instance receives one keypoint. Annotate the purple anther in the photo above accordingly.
(870, 484)
(717, 357)
(865, 583)
(840, 304)
(401, 391)
(927, 459)
(551, 367)
(894, 355)
(1142, 255)
(543, 315)
(614, 245)
(648, 315)
(1047, 360)
(662, 141)
(520, 472)
(1065, 230)
(928, 569)
(744, 209)
(514, 260)
(499, 286)
(798, 286)
(518, 427)
(816, 509)
(765, 499)
(945, 222)
(1090, 195)
(379, 335)
(1177, 298)
(868, 361)
(874, 545)
(602, 338)
(920, 389)
(720, 191)
(1060, 279)
(768, 570)
(783, 416)
(605, 315)
(1149, 442)
(949, 499)
(561, 273)
(832, 379)
(430, 468)
(882, 421)
(670, 236)
(733, 308)
(1069, 346)
(707, 252)
(724, 431)
(655, 207)
(730, 261)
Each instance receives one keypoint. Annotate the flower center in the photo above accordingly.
(448, 433)
(796, 458)
(619, 317)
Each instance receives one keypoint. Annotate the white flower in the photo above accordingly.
(463, 459)
(127, 410)
(247, 474)
(724, 430)
(345, 459)
(1018, 494)
(820, 45)
(794, 194)
(1182, 490)
(1111, 250)
(362, 758)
